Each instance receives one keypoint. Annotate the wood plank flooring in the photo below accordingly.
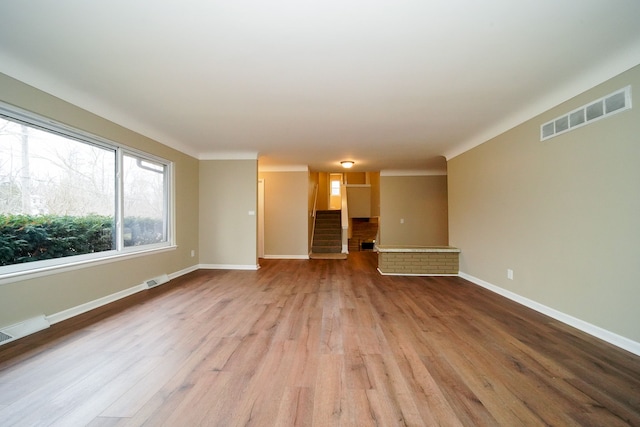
(316, 342)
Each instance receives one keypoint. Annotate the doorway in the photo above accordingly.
(335, 191)
(261, 218)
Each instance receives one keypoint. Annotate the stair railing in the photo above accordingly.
(345, 220)
(313, 215)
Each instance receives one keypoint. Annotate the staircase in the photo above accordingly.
(327, 237)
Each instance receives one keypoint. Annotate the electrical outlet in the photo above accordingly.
(193, 253)
(509, 274)
(401, 220)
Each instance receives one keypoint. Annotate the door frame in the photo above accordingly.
(261, 218)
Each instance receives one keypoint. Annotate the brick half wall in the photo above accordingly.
(418, 261)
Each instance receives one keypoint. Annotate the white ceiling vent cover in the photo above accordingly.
(22, 329)
(156, 281)
(613, 103)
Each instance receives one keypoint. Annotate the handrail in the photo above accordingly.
(313, 215)
(344, 219)
(315, 200)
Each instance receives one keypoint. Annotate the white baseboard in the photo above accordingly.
(596, 331)
(83, 308)
(228, 267)
(415, 274)
(183, 272)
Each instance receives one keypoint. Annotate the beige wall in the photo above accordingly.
(355, 178)
(374, 180)
(323, 191)
(56, 292)
(228, 213)
(286, 224)
(563, 214)
(421, 201)
(359, 201)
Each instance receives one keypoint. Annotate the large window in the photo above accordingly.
(335, 188)
(66, 196)
(145, 204)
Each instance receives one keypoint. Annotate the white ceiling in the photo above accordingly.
(390, 84)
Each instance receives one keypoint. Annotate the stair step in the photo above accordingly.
(327, 244)
(325, 233)
(327, 237)
(326, 250)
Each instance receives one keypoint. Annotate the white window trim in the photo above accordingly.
(29, 270)
(78, 264)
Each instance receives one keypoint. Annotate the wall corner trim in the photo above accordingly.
(596, 331)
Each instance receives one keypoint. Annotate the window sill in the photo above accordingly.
(77, 265)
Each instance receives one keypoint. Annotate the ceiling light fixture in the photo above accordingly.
(347, 164)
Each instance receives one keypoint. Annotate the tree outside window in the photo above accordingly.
(62, 196)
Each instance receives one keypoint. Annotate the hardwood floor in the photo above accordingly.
(318, 342)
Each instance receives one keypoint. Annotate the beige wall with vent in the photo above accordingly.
(563, 214)
(58, 291)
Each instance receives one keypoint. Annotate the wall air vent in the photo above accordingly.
(22, 329)
(5, 337)
(616, 102)
(156, 281)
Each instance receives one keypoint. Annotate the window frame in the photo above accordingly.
(336, 189)
(24, 271)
